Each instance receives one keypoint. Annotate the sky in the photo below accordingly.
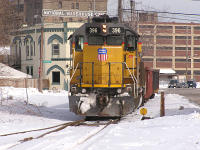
(180, 6)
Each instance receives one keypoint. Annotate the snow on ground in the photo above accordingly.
(178, 130)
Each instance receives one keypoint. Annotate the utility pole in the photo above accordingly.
(120, 10)
(41, 56)
(132, 10)
(94, 5)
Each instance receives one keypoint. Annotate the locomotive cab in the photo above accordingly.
(105, 69)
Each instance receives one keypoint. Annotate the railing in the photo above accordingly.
(134, 80)
(109, 77)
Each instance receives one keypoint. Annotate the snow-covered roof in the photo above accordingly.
(8, 72)
(167, 71)
(4, 50)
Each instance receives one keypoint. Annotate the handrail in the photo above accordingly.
(132, 75)
(133, 78)
(72, 76)
(73, 57)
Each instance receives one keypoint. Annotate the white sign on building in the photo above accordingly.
(69, 13)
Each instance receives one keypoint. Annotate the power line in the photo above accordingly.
(167, 17)
(164, 12)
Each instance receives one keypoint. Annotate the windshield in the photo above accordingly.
(95, 40)
(190, 82)
(114, 40)
(173, 81)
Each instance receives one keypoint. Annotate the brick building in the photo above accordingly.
(31, 10)
(172, 45)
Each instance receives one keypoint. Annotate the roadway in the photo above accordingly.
(193, 94)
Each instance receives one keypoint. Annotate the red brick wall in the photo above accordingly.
(197, 78)
(182, 42)
(182, 65)
(182, 53)
(164, 41)
(196, 42)
(179, 31)
(148, 52)
(163, 53)
(148, 64)
(145, 30)
(196, 53)
(164, 64)
(196, 32)
(196, 64)
(164, 31)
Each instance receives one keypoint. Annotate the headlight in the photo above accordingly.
(83, 91)
(119, 91)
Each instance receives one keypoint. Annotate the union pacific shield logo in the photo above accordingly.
(102, 54)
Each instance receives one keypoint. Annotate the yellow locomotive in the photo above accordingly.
(107, 75)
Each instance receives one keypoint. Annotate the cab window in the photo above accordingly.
(79, 41)
(114, 40)
(95, 40)
(131, 43)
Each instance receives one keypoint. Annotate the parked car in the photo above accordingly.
(191, 83)
(182, 85)
(173, 84)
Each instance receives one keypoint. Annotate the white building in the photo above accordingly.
(56, 52)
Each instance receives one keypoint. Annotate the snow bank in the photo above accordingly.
(8, 72)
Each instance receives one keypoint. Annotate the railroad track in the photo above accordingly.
(59, 127)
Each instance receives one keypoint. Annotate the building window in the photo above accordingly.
(27, 69)
(164, 60)
(196, 48)
(197, 28)
(70, 19)
(197, 72)
(59, 4)
(55, 49)
(164, 48)
(31, 49)
(146, 26)
(90, 6)
(21, 7)
(32, 70)
(56, 77)
(182, 27)
(182, 48)
(148, 59)
(34, 48)
(182, 72)
(182, 37)
(164, 37)
(72, 6)
(27, 50)
(197, 38)
(77, 5)
(164, 27)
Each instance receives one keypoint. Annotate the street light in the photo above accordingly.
(41, 53)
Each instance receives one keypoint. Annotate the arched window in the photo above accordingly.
(27, 48)
(31, 48)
